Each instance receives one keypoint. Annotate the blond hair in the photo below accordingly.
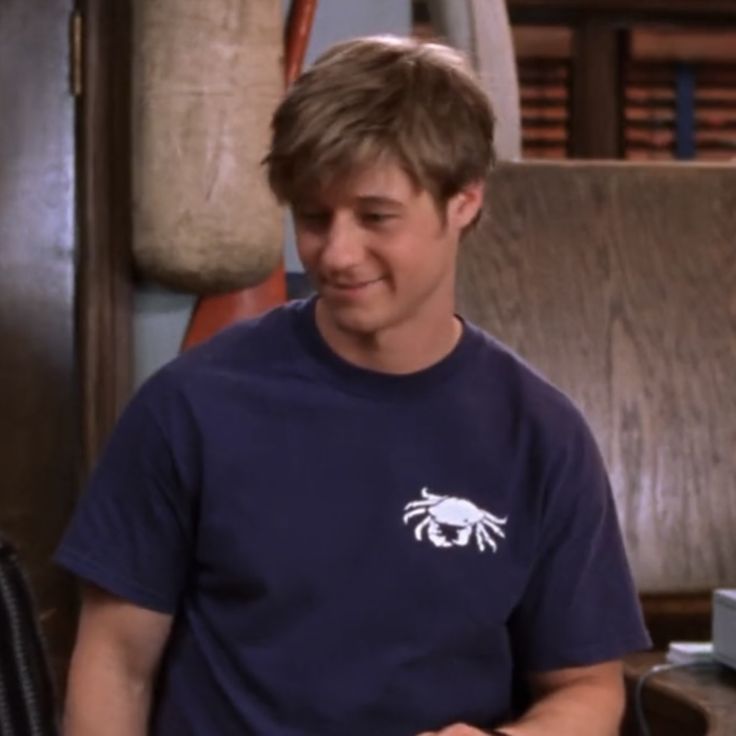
(382, 98)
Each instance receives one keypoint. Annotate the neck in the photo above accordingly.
(392, 350)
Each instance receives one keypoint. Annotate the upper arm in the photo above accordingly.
(133, 530)
(580, 603)
(576, 700)
(604, 677)
(116, 634)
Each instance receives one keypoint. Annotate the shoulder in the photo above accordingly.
(260, 344)
(520, 387)
(538, 420)
(249, 343)
(249, 355)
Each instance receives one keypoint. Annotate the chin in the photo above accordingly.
(362, 325)
(357, 321)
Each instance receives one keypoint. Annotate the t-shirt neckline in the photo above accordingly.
(365, 380)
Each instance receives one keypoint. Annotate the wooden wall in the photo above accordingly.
(619, 282)
(38, 398)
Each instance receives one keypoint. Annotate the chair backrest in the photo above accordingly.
(26, 693)
(618, 281)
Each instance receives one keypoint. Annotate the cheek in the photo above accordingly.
(307, 249)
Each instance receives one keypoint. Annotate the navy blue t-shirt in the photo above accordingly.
(346, 551)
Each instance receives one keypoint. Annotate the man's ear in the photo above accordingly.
(464, 206)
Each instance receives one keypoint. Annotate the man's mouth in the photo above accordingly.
(351, 286)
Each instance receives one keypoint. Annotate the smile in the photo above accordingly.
(352, 286)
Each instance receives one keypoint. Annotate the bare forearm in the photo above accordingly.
(114, 665)
(104, 701)
(584, 701)
(577, 710)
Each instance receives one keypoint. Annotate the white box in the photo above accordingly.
(724, 626)
(689, 652)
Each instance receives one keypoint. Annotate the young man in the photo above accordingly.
(358, 514)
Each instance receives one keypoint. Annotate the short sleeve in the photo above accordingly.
(131, 533)
(580, 606)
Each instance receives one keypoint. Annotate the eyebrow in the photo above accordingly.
(380, 201)
(369, 200)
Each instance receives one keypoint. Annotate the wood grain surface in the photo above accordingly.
(38, 419)
(674, 7)
(692, 701)
(104, 284)
(618, 281)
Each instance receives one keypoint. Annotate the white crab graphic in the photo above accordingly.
(450, 521)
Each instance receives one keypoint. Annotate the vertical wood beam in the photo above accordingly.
(596, 91)
(105, 282)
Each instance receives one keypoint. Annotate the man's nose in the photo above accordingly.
(342, 247)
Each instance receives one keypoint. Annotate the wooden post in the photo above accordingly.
(596, 91)
(105, 309)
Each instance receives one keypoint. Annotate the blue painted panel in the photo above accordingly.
(685, 140)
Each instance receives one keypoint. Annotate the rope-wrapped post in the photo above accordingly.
(206, 79)
(26, 692)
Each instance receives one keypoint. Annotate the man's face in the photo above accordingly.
(379, 255)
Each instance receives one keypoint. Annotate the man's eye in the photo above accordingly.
(377, 218)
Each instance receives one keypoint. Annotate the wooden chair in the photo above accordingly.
(618, 281)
